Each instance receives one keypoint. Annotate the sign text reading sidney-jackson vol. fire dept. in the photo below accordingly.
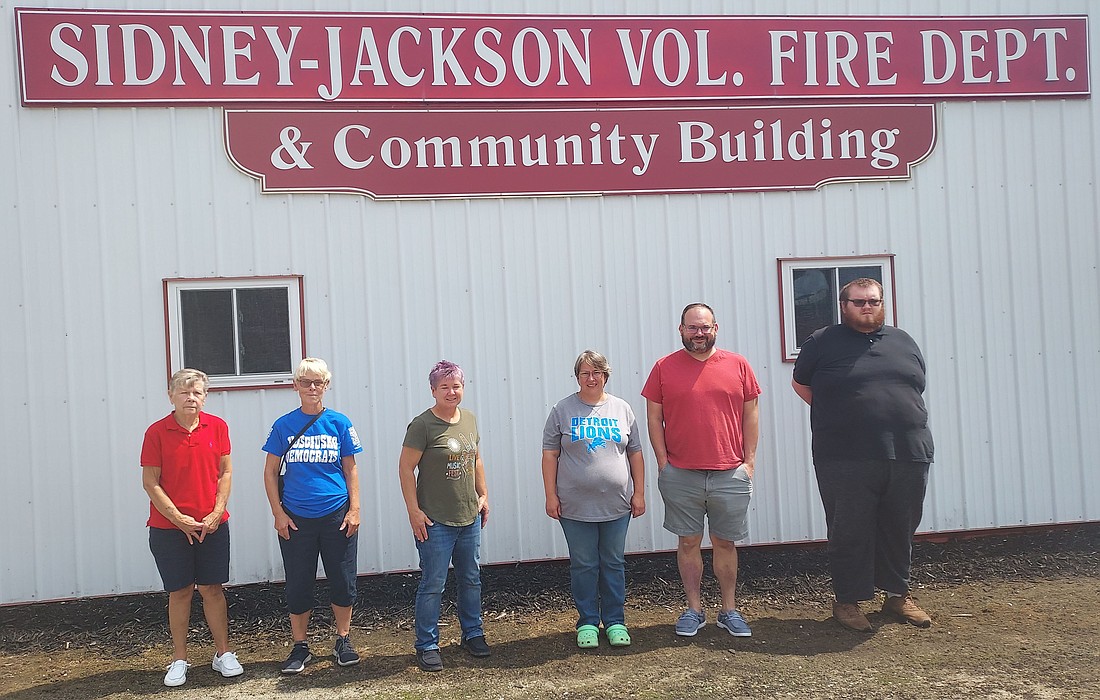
(119, 56)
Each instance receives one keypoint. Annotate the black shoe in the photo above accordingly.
(429, 660)
(345, 652)
(476, 646)
(299, 657)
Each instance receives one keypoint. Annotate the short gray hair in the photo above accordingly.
(598, 362)
(186, 377)
(312, 364)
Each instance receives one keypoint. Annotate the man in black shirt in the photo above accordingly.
(863, 381)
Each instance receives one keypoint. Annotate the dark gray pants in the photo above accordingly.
(872, 509)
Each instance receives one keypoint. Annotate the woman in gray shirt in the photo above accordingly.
(594, 475)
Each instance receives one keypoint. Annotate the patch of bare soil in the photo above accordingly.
(1014, 616)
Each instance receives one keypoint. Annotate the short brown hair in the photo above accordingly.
(861, 282)
(696, 305)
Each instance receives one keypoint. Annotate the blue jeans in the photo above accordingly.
(447, 544)
(597, 569)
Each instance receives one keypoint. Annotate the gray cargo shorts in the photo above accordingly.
(720, 496)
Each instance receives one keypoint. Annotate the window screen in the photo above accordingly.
(243, 332)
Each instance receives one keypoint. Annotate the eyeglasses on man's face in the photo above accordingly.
(307, 383)
(706, 330)
(859, 303)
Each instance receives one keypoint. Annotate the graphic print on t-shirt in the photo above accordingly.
(460, 458)
(314, 449)
(597, 431)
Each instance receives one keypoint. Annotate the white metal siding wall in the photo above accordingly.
(997, 279)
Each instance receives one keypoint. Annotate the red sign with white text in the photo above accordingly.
(106, 57)
(398, 154)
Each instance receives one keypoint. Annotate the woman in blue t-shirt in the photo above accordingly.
(315, 502)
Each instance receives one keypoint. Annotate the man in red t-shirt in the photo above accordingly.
(187, 472)
(704, 424)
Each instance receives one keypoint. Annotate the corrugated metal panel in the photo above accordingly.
(996, 253)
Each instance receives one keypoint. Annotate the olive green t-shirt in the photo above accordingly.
(445, 474)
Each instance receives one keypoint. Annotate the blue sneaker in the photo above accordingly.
(690, 623)
(734, 623)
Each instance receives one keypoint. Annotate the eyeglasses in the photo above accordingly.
(307, 383)
(697, 329)
(858, 303)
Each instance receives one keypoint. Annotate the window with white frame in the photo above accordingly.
(243, 332)
(809, 290)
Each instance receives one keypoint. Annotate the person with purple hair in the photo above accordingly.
(443, 483)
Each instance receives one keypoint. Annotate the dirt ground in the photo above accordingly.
(1014, 616)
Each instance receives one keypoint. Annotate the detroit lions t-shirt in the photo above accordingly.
(594, 483)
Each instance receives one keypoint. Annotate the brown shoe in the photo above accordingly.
(903, 608)
(849, 615)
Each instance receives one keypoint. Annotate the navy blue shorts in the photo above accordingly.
(319, 536)
(182, 564)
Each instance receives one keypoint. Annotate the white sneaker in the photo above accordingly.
(177, 673)
(227, 665)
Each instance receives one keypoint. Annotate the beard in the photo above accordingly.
(866, 323)
(690, 345)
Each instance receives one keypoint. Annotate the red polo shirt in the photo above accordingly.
(189, 465)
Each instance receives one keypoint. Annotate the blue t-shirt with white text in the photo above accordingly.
(314, 484)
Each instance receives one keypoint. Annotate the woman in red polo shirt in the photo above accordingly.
(187, 472)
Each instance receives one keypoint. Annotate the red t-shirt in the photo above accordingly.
(189, 465)
(703, 405)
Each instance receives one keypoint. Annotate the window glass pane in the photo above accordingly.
(814, 300)
(263, 316)
(847, 274)
(206, 317)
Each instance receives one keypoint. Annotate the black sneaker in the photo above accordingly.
(345, 652)
(299, 657)
(476, 646)
(429, 660)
